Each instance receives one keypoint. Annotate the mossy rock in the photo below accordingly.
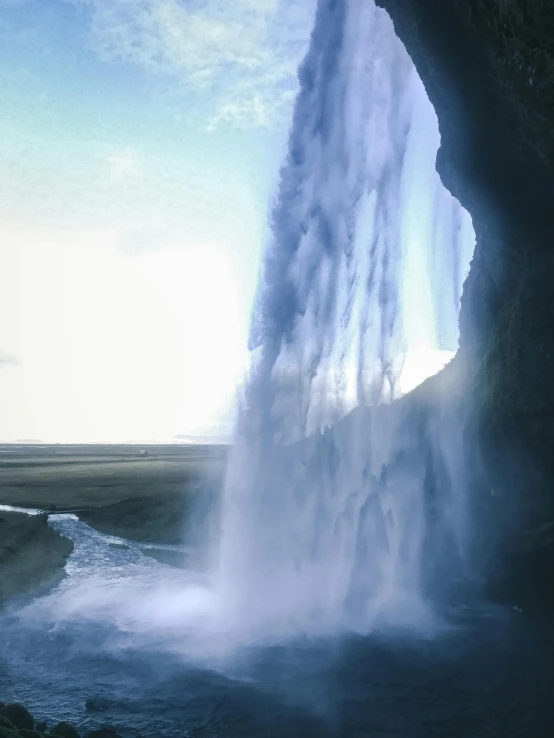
(6, 724)
(19, 716)
(64, 730)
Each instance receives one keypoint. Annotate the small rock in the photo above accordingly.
(178, 559)
(19, 716)
(42, 727)
(104, 733)
(97, 704)
(64, 730)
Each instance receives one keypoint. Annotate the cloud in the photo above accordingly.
(245, 52)
(8, 360)
(124, 165)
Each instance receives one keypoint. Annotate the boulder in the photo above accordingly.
(64, 730)
(19, 716)
(97, 704)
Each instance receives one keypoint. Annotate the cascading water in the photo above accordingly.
(322, 534)
(315, 538)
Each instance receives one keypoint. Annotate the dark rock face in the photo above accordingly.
(17, 722)
(488, 68)
(64, 730)
(18, 716)
(177, 559)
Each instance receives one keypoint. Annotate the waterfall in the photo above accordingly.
(363, 272)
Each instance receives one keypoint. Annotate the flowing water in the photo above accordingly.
(118, 642)
(314, 620)
(362, 274)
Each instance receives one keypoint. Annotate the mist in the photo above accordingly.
(364, 268)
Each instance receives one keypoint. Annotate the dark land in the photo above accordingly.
(32, 555)
(155, 494)
(77, 476)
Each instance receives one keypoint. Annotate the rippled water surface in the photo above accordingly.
(129, 642)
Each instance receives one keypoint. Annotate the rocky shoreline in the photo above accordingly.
(157, 499)
(17, 722)
(163, 495)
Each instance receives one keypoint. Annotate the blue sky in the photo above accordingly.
(139, 147)
(80, 122)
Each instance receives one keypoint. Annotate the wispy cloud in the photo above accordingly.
(246, 52)
(124, 165)
(8, 360)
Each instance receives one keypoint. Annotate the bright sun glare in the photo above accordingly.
(166, 319)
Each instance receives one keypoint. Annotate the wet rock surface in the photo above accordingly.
(64, 730)
(177, 559)
(17, 722)
(488, 68)
(18, 716)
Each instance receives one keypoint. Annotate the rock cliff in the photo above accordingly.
(488, 68)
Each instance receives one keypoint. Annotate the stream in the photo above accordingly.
(126, 641)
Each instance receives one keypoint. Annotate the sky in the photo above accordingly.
(140, 144)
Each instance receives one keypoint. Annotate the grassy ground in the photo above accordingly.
(32, 555)
(97, 476)
(156, 494)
